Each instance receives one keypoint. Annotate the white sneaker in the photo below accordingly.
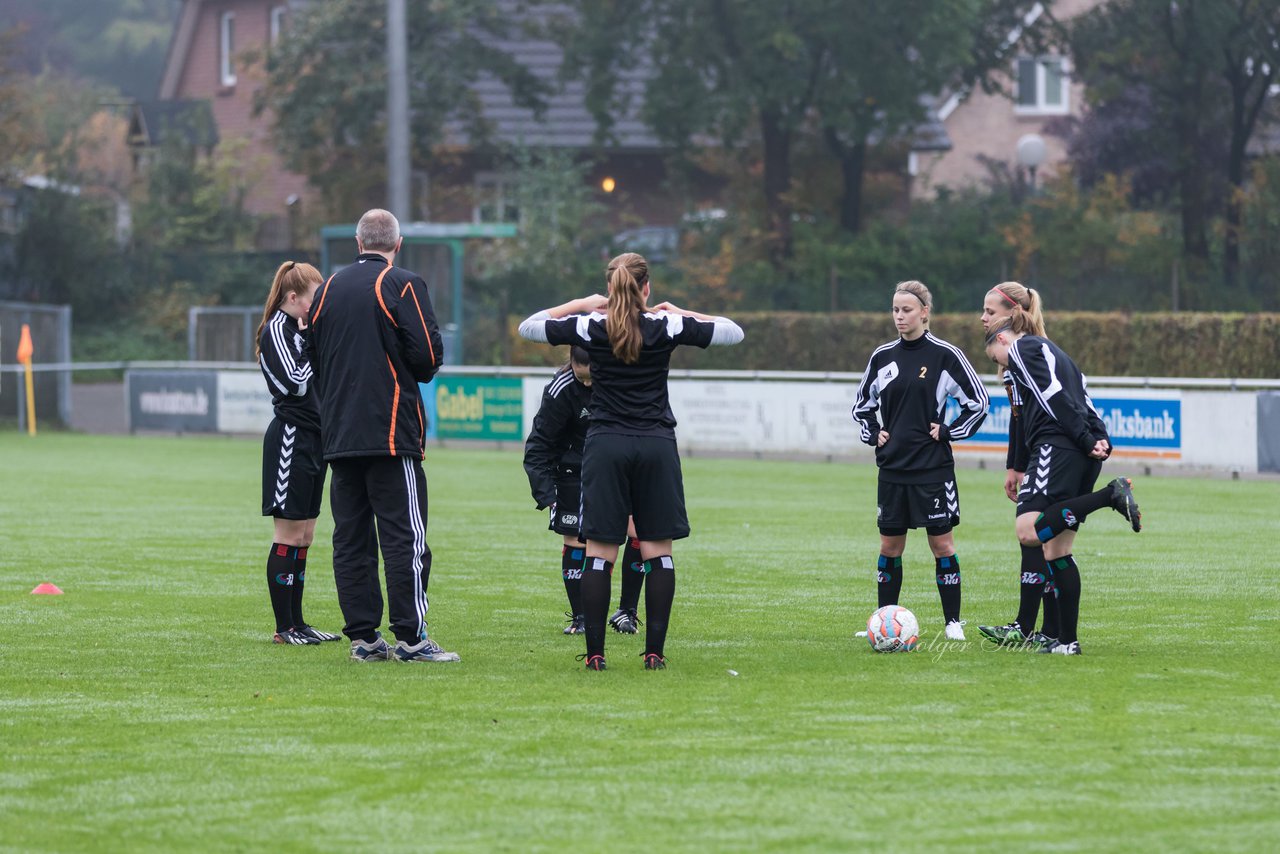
(955, 630)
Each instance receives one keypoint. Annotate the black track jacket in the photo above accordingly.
(1056, 407)
(373, 338)
(909, 382)
(554, 447)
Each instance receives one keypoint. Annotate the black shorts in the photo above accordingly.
(568, 506)
(637, 476)
(901, 506)
(293, 471)
(1055, 474)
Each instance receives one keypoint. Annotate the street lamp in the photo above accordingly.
(1031, 153)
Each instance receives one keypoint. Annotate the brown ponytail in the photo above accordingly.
(290, 278)
(627, 275)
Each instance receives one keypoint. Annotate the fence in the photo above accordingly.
(51, 339)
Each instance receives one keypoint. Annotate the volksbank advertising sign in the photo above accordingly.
(1139, 425)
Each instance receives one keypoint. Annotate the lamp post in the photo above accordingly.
(1031, 153)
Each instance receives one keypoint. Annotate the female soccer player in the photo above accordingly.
(630, 464)
(553, 461)
(908, 381)
(293, 468)
(1069, 442)
(1004, 301)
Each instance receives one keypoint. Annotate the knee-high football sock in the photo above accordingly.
(888, 580)
(659, 593)
(1031, 588)
(1050, 626)
(1066, 579)
(595, 601)
(280, 579)
(571, 558)
(947, 572)
(1067, 515)
(299, 581)
(632, 576)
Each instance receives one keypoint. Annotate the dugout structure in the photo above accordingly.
(51, 339)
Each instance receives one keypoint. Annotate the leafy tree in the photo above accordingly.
(326, 87)
(16, 134)
(1202, 66)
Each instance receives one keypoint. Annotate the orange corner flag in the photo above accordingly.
(47, 589)
(25, 349)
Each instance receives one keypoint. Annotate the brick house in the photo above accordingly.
(204, 63)
(984, 129)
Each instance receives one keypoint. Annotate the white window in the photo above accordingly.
(278, 14)
(493, 199)
(227, 49)
(1043, 85)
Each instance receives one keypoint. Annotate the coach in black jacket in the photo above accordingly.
(373, 338)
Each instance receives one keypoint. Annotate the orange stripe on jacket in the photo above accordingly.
(409, 289)
(377, 290)
(324, 293)
(395, 407)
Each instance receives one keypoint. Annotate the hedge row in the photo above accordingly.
(1103, 344)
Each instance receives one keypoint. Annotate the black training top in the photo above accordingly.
(554, 447)
(373, 338)
(1056, 408)
(631, 398)
(286, 365)
(908, 383)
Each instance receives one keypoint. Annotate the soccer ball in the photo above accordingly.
(893, 629)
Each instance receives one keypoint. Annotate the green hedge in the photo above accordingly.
(1103, 344)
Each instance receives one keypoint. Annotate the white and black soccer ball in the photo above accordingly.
(893, 629)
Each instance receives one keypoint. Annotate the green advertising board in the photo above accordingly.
(479, 408)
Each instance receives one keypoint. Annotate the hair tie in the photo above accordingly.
(1011, 300)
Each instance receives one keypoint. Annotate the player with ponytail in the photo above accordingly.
(630, 465)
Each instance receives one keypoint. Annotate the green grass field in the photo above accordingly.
(145, 709)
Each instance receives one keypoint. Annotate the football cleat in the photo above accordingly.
(376, 650)
(293, 637)
(624, 622)
(1010, 635)
(594, 662)
(653, 661)
(1056, 648)
(577, 624)
(1122, 502)
(424, 650)
(955, 630)
(1038, 641)
(316, 634)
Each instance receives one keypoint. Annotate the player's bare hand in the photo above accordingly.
(668, 306)
(595, 302)
(1101, 449)
(881, 438)
(1012, 480)
(933, 431)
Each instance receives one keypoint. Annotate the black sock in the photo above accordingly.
(888, 580)
(571, 558)
(1066, 579)
(1051, 624)
(1067, 515)
(299, 581)
(1031, 588)
(632, 576)
(595, 601)
(947, 572)
(280, 579)
(659, 593)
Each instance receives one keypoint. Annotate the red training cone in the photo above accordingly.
(46, 589)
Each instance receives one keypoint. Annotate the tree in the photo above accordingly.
(326, 87)
(1202, 65)
(768, 72)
